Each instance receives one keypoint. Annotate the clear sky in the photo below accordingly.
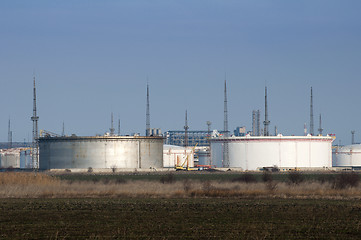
(92, 58)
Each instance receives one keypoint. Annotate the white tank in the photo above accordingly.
(347, 156)
(176, 156)
(10, 158)
(252, 152)
(204, 156)
(100, 152)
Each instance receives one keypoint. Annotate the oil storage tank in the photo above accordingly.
(100, 152)
(176, 156)
(10, 158)
(347, 156)
(287, 152)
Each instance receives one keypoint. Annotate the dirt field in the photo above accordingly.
(208, 218)
(180, 206)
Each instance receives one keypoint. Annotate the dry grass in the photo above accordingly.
(27, 185)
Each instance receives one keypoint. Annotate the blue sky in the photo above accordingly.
(92, 58)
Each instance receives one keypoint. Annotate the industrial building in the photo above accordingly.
(194, 137)
(101, 152)
(285, 152)
(347, 156)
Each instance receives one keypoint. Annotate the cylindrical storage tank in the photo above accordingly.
(176, 156)
(122, 152)
(252, 152)
(25, 158)
(204, 157)
(347, 156)
(10, 158)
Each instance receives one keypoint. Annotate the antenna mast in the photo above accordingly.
(311, 115)
(226, 133)
(186, 131)
(266, 121)
(147, 124)
(35, 147)
(320, 129)
(353, 137)
(258, 123)
(118, 127)
(209, 128)
(254, 123)
(10, 136)
(111, 126)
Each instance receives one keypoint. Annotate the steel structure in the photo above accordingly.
(186, 127)
(63, 131)
(118, 127)
(252, 153)
(10, 136)
(320, 129)
(147, 124)
(254, 123)
(177, 137)
(209, 128)
(123, 152)
(266, 122)
(226, 133)
(111, 129)
(35, 146)
(311, 114)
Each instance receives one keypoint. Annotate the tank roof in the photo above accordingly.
(73, 138)
(273, 138)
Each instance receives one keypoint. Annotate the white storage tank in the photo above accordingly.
(122, 152)
(253, 152)
(175, 156)
(347, 156)
(10, 158)
(26, 158)
(204, 156)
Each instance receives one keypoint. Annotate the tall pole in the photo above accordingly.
(186, 131)
(258, 123)
(353, 137)
(112, 125)
(311, 115)
(10, 136)
(254, 123)
(320, 129)
(63, 132)
(209, 128)
(118, 127)
(35, 147)
(266, 121)
(226, 133)
(225, 128)
(147, 124)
